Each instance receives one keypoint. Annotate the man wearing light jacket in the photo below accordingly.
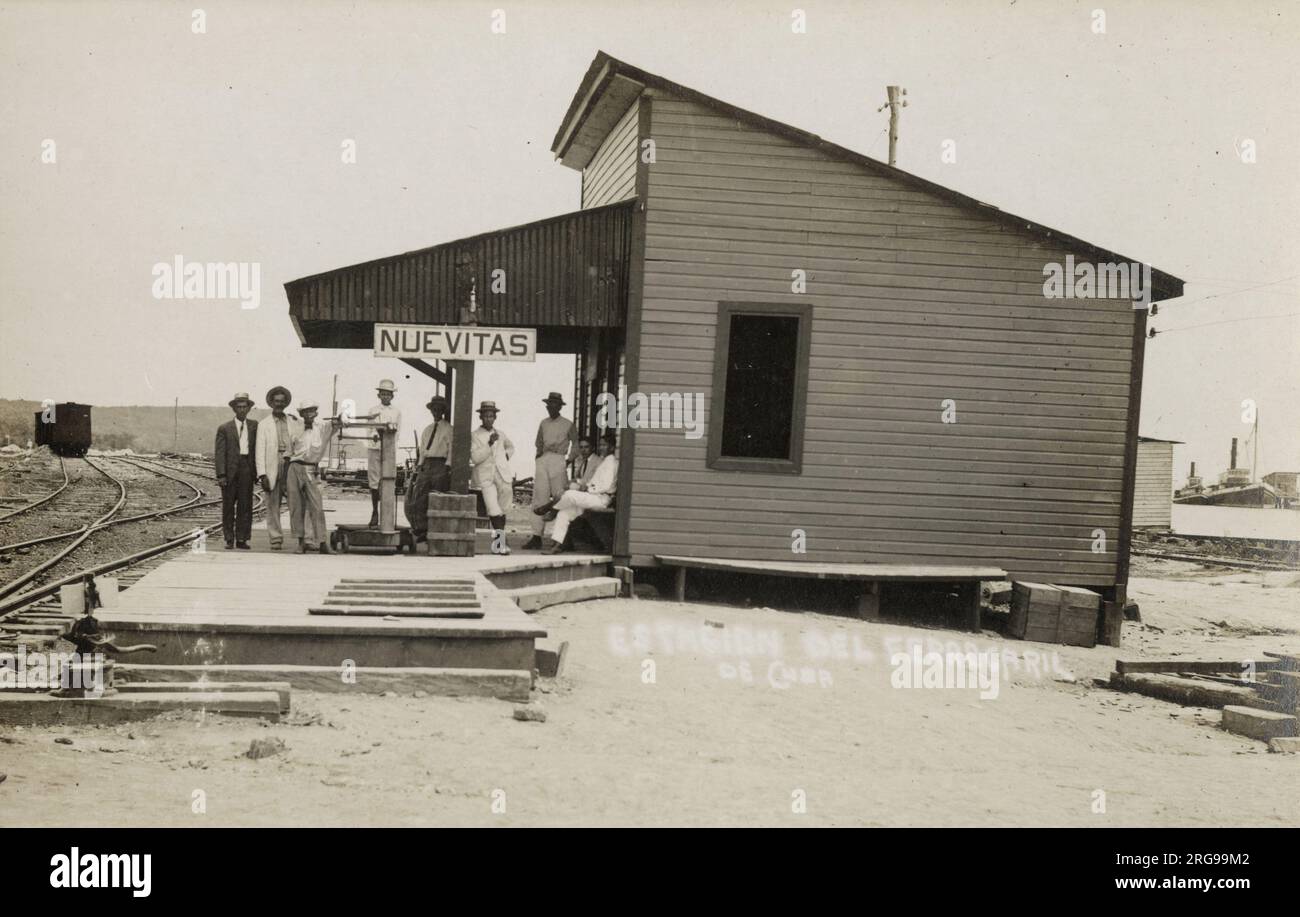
(490, 452)
(278, 432)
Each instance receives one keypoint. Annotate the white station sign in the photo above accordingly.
(456, 342)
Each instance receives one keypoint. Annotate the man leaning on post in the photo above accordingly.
(432, 468)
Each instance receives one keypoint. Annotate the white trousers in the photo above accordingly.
(549, 481)
(498, 496)
(571, 506)
(306, 508)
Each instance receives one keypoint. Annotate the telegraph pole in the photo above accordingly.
(896, 101)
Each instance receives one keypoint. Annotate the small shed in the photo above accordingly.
(1153, 489)
(882, 377)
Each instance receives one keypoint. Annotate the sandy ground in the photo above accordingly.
(700, 745)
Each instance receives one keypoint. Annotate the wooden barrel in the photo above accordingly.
(451, 525)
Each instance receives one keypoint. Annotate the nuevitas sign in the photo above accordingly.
(452, 342)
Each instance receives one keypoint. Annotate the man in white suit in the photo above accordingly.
(598, 493)
(490, 452)
(273, 455)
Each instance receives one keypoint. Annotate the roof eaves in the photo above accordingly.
(1166, 286)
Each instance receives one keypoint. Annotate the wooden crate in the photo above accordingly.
(1054, 614)
(451, 525)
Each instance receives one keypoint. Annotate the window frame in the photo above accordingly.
(722, 347)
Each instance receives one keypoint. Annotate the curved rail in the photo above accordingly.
(13, 604)
(63, 466)
(191, 503)
(31, 574)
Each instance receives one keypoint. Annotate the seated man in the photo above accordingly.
(599, 493)
(584, 465)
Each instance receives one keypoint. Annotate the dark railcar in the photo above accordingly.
(65, 428)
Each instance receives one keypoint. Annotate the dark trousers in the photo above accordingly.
(433, 475)
(237, 500)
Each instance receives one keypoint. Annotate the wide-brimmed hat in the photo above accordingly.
(279, 390)
(307, 405)
(240, 396)
(489, 406)
(385, 385)
(437, 399)
(554, 396)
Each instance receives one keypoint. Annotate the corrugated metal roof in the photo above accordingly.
(569, 271)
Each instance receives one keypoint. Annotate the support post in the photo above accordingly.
(973, 606)
(388, 482)
(869, 602)
(679, 593)
(462, 422)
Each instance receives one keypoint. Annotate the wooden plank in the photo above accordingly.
(893, 572)
(1184, 691)
(448, 611)
(507, 684)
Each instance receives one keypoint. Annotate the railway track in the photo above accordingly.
(90, 550)
(63, 466)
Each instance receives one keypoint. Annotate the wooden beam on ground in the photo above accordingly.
(1186, 691)
(1174, 666)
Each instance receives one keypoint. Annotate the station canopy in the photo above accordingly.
(563, 276)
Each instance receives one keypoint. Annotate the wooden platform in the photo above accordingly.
(968, 577)
(237, 607)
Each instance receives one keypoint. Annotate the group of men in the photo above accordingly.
(284, 460)
(286, 465)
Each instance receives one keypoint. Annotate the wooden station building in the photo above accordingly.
(882, 375)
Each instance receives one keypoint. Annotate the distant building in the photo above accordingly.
(1284, 482)
(1153, 486)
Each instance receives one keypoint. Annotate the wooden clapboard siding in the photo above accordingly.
(611, 175)
(1154, 485)
(915, 300)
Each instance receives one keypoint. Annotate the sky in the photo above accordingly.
(225, 145)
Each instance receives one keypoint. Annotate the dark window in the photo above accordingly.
(760, 384)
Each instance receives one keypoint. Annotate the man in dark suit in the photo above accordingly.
(235, 455)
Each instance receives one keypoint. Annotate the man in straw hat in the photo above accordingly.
(490, 452)
(384, 412)
(273, 447)
(557, 443)
(306, 505)
(432, 471)
(233, 455)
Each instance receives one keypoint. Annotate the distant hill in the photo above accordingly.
(140, 427)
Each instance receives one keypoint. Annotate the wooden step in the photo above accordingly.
(1190, 692)
(280, 688)
(44, 710)
(535, 598)
(446, 682)
(1258, 724)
